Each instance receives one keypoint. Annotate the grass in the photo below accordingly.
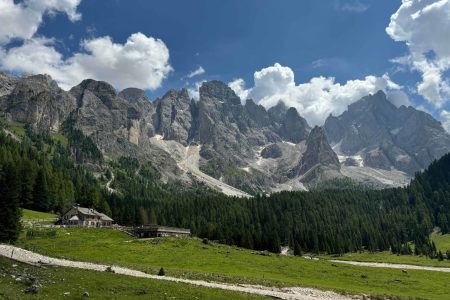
(17, 128)
(190, 258)
(34, 215)
(442, 243)
(388, 257)
(55, 281)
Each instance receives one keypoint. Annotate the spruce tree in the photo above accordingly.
(10, 212)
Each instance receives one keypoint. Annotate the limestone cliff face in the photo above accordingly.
(174, 116)
(37, 100)
(386, 136)
(115, 123)
(245, 145)
(318, 157)
(7, 84)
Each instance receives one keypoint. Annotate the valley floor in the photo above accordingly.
(32, 258)
(21, 281)
(191, 259)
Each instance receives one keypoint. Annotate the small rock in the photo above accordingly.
(14, 266)
(32, 289)
(86, 294)
(66, 293)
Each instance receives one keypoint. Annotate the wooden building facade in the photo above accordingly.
(151, 231)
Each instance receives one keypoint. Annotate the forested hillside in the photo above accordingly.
(39, 173)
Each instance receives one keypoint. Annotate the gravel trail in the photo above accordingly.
(294, 293)
(390, 266)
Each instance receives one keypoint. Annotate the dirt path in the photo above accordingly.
(391, 266)
(294, 293)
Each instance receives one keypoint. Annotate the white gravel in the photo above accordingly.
(391, 266)
(297, 293)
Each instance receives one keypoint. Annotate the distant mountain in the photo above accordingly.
(230, 146)
(375, 134)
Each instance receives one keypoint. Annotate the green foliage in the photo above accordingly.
(82, 147)
(345, 183)
(44, 176)
(9, 199)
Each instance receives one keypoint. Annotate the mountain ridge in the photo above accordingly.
(243, 145)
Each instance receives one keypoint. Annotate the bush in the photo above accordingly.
(161, 272)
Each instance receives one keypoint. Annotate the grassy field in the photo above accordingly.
(388, 257)
(54, 282)
(442, 243)
(34, 215)
(190, 258)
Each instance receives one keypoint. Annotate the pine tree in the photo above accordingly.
(9, 204)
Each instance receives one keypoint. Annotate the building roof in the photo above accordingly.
(104, 217)
(160, 228)
(91, 212)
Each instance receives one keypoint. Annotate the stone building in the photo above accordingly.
(85, 217)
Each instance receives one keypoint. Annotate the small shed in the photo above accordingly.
(151, 231)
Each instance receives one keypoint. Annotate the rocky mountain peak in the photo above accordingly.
(319, 150)
(7, 83)
(37, 100)
(377, 102)
(99, 88)
(218, 91)
(133, 95)
(318, 159)
(257, 113)
(174, 116)
(42, 79)
(294, 128)
(279, 110)
(386, 137)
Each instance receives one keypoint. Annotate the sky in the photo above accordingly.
(316, 55)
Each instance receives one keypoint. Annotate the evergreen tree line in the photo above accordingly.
(39, 174)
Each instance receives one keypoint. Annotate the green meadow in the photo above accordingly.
(194, 259)
(57, 282)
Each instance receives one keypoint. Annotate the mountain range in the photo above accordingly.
(232, 147)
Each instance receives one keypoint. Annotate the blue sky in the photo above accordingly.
(233, 39)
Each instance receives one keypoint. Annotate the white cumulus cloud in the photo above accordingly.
(22, 20)
(141, 61)
(445, 115)
(314, 100)
(424, 26)
(194, 91)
